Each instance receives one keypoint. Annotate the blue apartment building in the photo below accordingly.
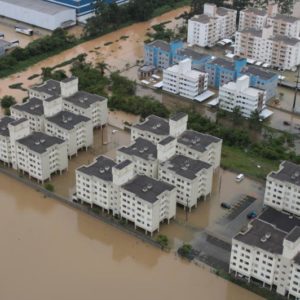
(199, 60)
(160, 53)
(221, 71)
(84, 8)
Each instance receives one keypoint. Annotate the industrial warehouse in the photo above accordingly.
(38, 13)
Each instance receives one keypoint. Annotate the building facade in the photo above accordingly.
(268, 252)
(181, 79)
(239, 94)
(40, 155)
(192, 178)
(214, 24)
(283, 188)
(160, 54)
(263, 45)
(77, 130)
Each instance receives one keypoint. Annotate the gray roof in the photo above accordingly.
(3, 43)
(281, 220)
(294, 235)
(33, 106)
(194, 55)
(160, 44)
(147, 188)
(288, 172)
(178, 116)
(101, 168)
(84, 99)
(39, 142)
(225, 63)
(257, 11)
(185, 166)
(141, 148)
(285, 39)
(252, 31)
(50, 87)
(123, 164)
(17, 122)
(155, 125)
(253, 237)
(67, 120)
(4, 125)
(223, 11)
(297, 258)
(166, 140)
(196, 140)
(286, 18)
(256, 71)
(39, 6)
(201, 18)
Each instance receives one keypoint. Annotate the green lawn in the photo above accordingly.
(237, 160)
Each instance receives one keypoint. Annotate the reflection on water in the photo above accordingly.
(64, 254)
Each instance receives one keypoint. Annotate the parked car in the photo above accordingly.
(225, 205)
(239, 177)
(252, 215)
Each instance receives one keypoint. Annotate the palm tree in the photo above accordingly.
(102, 66)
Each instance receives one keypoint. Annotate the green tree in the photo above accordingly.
(102, 67)
(255, 121)
(163, 241)
(237, 117)
(7, 101)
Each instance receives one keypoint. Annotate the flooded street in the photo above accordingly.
(49, 251)
(119, 49)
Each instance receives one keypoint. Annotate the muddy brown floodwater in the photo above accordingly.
(49, 251)
(118, 49)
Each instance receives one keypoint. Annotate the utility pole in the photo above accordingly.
(296, 88)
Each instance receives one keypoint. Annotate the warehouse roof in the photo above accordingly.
(39, 142)
(38, 6)
(67, 120)
(197, 140)
(101, 168)
(147, 188)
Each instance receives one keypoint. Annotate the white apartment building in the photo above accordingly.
(7, 126)
(200, 146)
(181, 79)
(147, 202)
(240, 94)
(77, 130)
(156, 129)
(192, 178)
(137, 198)
(69, 98)
(264, 45)
(40, 155)
(216, 23)
(283, 188)
(256, 18)
(89, 105)
(268, 251)
(143, 155)
(33, 111)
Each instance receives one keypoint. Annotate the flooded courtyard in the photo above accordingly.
(50, 251)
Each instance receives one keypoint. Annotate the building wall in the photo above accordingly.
(36, 18)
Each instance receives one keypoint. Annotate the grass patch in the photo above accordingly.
(237, 160)
(17, 86)
(108, 43)
(33, 76)
(124, 37)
